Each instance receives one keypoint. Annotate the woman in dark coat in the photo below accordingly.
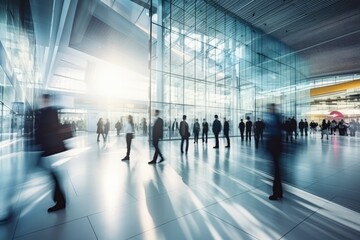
(100, 129)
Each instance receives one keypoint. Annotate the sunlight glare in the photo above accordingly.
(118, 82)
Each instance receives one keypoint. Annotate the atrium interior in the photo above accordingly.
(113, 58)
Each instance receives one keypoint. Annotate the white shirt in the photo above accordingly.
(129, 128)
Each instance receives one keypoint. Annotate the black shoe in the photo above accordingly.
(161, 160)
(273, 197)
(57, 207)
(152, 162)
(215, 147)
(125, 158)
(182, 151)
(227, 146)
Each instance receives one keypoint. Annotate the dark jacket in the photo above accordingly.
(258, 128)
(274, 129)
(301, 125)
(242, 126)
(196, 127)
(184, 129)
(216, 127)
(324, 125)
(226, 127)
(205, 126)
(47, 126)
(248, 125)
(100, 127)
(158, 129)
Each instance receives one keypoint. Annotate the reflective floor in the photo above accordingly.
(206, 194)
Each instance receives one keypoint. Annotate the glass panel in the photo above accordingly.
(212, 63)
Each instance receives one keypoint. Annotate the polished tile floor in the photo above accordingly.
(206, 194)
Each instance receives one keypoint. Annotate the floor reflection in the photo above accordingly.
(205, 194)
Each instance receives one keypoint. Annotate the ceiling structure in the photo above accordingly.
(81, 32)
(75, 36)
(325, 32)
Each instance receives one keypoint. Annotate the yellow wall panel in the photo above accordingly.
(335, 88)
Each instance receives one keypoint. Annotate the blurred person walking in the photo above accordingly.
(242, 129)
(185, 134)
(324, 129)
(144, 127)
(174, 127)
(205, 130)
(248, 127)
(157, 134)
(118, 127)
(196, 130)
(129, 135)
(288, 130)
(106, 129)
(226, 132)
(301, 127)
(333, 127)
(258, 128)
(306, 127)
(216, 128)
(100, 129)
(293, 127)
(274, 147)
(312, 127)
(47, 136)
(352, 127)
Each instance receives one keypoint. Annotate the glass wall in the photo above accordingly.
(18, 72)
(7, 95)
(205, 61)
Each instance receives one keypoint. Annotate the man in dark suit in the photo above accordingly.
(216, 128)
(306, 127)
(226, 132)
(185, 134)
(242, 128)
(258, 128)
(157, 135)
(248, 127)
(47, 137)
(205, 129)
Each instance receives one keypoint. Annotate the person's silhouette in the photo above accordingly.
(46, 135)
(157, 135)
(274, 147)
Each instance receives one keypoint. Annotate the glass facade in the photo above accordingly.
(19, 76)
(205, 61)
